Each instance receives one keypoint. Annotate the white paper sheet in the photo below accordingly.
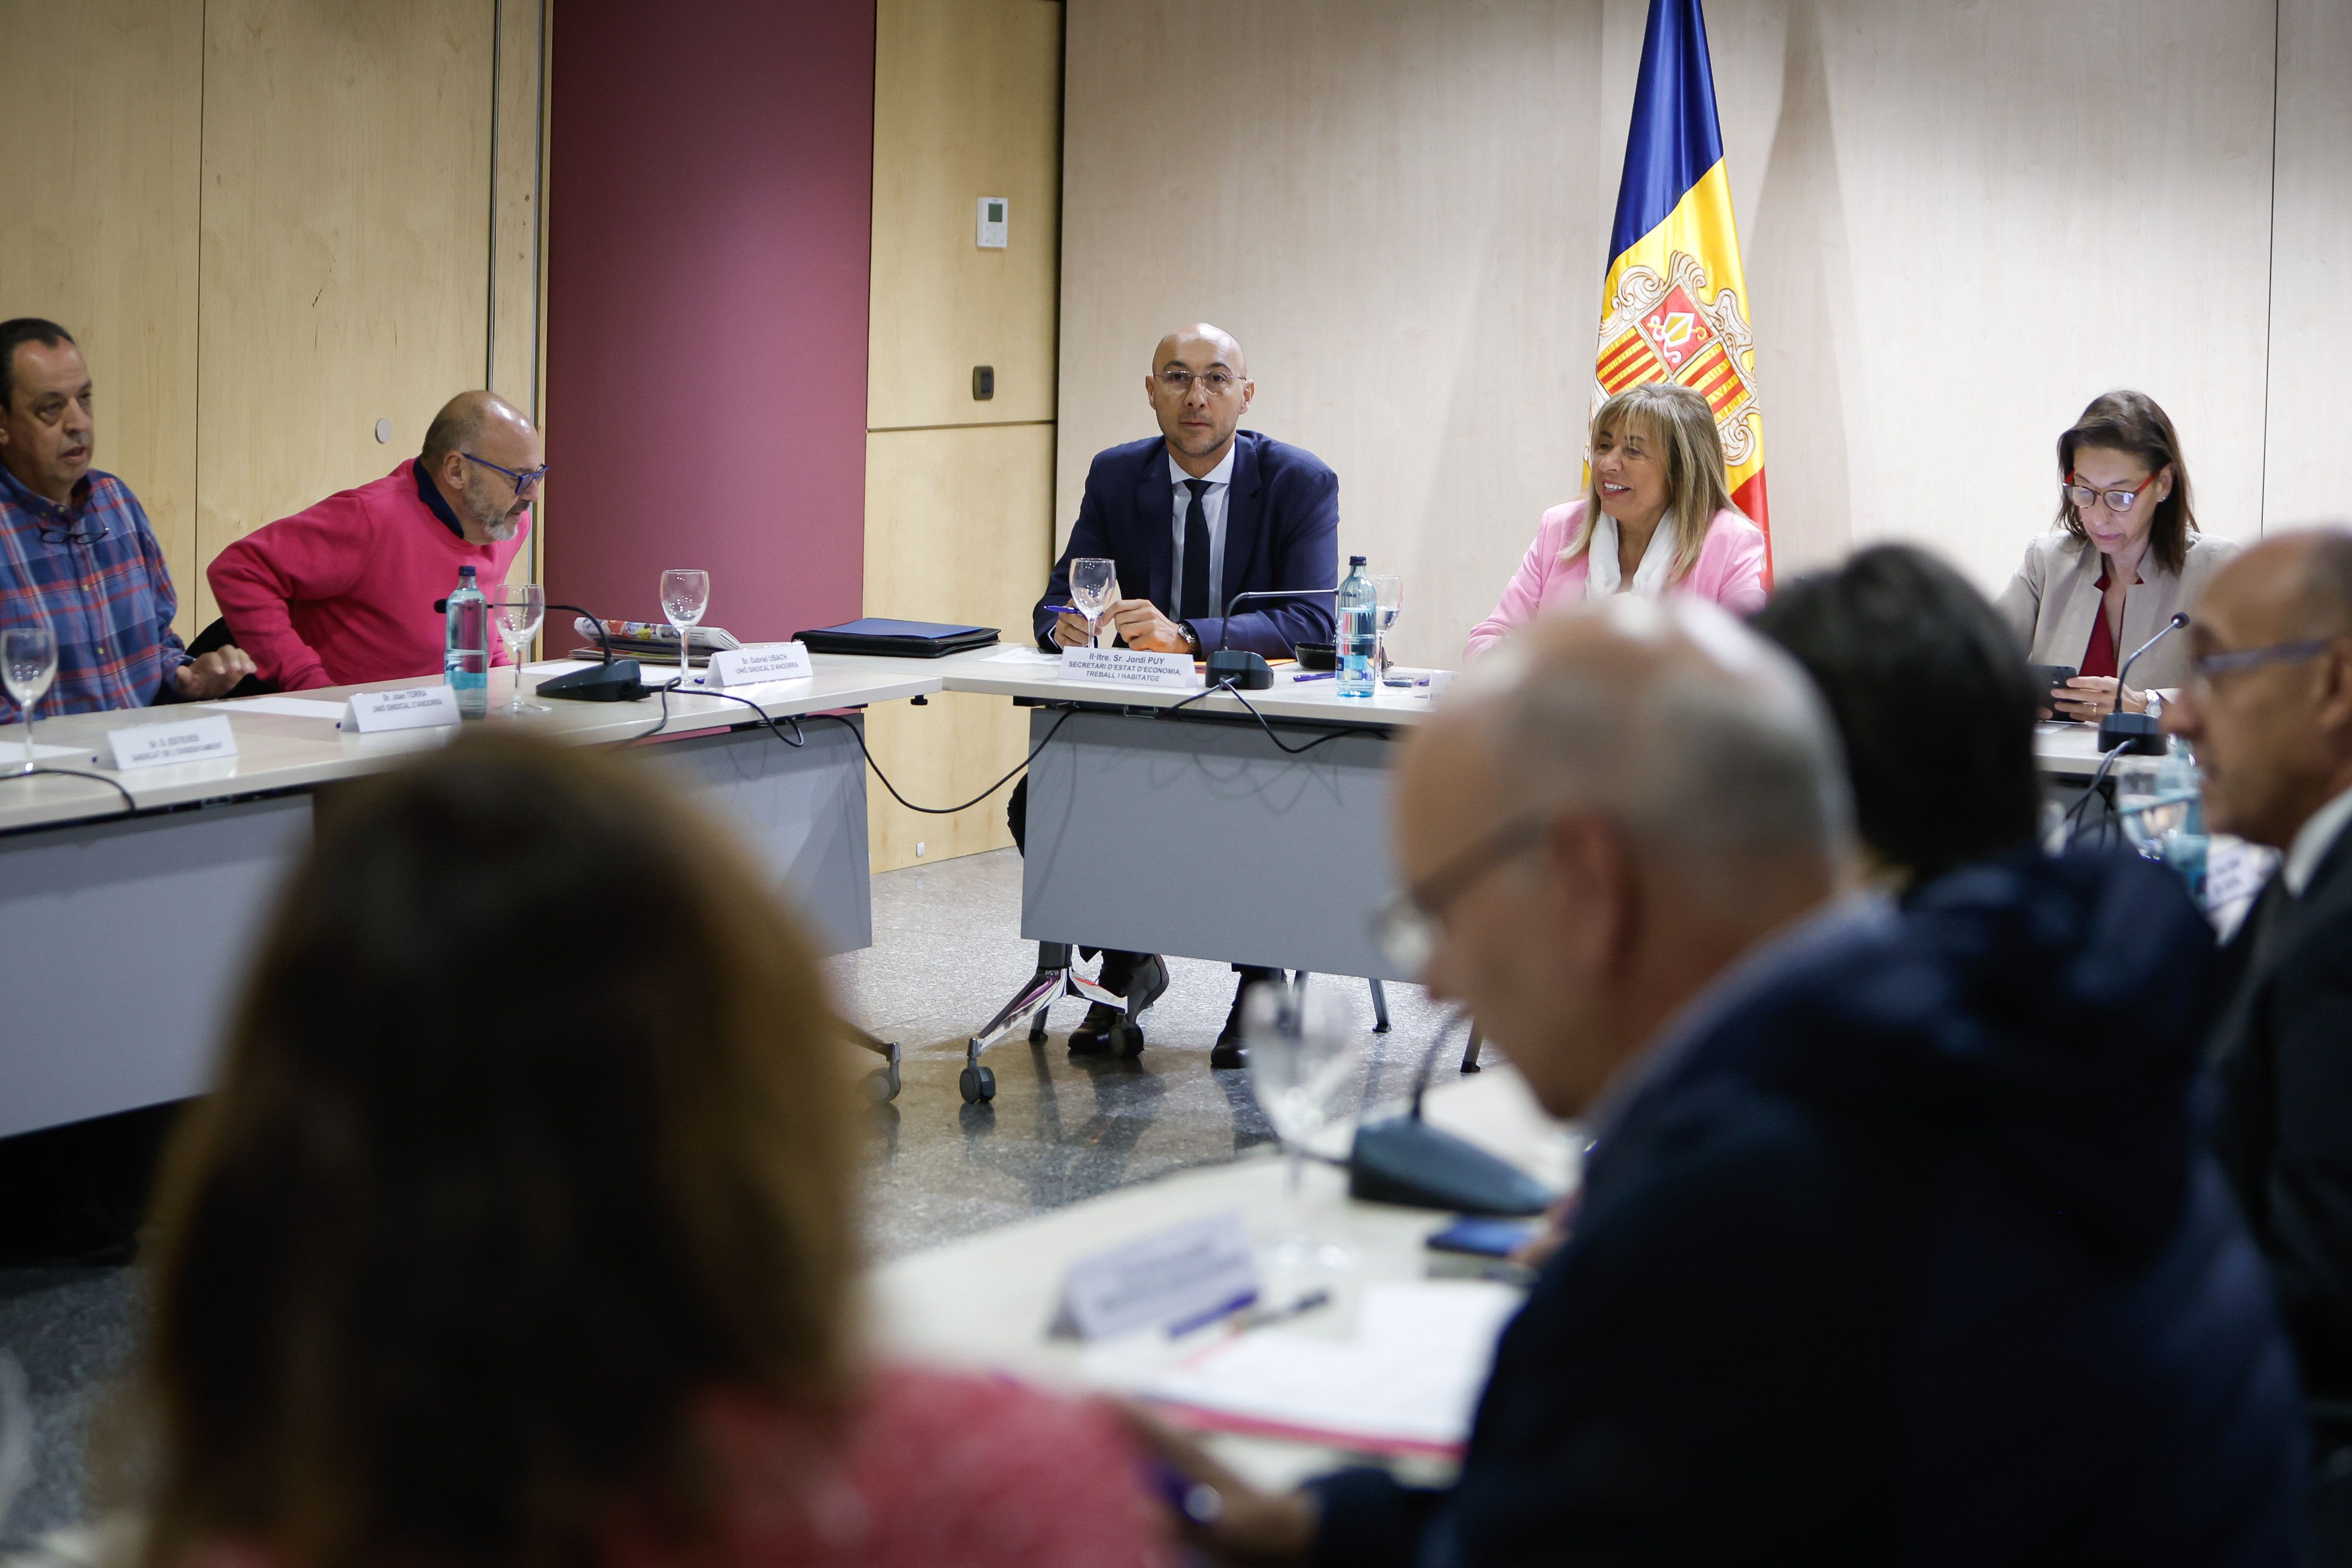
(1410, 1378)
(1028, 656)
(288, 707)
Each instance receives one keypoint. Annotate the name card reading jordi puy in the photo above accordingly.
(1130, 666)
(758, 665)
(408, 708)
(189, 739)
(1192, 1273)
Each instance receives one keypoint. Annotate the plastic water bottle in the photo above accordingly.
(1355, 631)
(466, 658)
(2185, 841)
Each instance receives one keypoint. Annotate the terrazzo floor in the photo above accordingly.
(946, 955)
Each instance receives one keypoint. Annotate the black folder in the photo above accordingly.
(898, 639)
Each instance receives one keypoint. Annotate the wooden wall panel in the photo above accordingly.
(518, 192)
(2311, 269)
(97, 227)
(967, 103)
(959, 493)
(958, 528)
(345, 243)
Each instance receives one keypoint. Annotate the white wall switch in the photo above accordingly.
(991, 223)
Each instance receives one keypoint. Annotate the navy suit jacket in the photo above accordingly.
(1282, 530)
(1913, 1256)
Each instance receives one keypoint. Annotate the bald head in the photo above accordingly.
(1199, 388)
(474, 448)
(2274, 735)
(1612, 809)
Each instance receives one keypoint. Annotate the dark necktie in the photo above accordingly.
(1192, 597)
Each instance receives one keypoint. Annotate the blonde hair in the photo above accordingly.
(1697, 486)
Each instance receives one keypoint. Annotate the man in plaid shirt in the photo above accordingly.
(75, 550)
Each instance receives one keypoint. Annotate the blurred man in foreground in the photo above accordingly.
(1894, 1244)
(2268, 705)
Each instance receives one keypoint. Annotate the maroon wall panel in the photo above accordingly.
(710, 220)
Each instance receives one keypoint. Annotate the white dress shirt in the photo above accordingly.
(1212, 505)
(2313, 840)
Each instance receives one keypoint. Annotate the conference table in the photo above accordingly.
(1258, 819)
(126, 925)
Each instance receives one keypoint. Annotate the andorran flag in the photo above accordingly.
(1675, 306)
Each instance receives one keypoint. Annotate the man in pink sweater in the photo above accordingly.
(342, 593)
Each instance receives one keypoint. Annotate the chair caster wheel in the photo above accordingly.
(882, 1083)
(1038, 1028)
(977, 1085)
(1126, 1039)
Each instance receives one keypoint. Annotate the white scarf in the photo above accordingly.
(1601, 576)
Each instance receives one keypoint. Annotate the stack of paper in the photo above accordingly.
(1407, 1384)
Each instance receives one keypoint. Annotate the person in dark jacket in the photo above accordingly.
(1895, 1241)
(1934, 705)
(2268, 705)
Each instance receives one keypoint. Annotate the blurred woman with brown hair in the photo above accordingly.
(2124, 555)
(486, 1253)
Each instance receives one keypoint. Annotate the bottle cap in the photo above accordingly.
(465, 571)
(1355, 560)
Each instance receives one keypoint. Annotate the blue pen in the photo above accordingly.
(1177, 1331)
(1061, 609)
(1320, 675)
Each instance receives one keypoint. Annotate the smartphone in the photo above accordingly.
(1484, 1238)
(2049, 679)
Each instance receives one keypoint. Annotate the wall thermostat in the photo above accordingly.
(991, 223)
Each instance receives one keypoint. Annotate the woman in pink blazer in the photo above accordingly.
(1665, 522)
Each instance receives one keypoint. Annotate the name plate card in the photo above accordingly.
(409, 708)
(1130, 666)
(1184, 1276)
(760, 664)
(160, 745)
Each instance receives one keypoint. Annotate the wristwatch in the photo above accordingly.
(1192, 637)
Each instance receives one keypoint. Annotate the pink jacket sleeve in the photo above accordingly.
(1741, 590)
(317, 553)
(1524, 596)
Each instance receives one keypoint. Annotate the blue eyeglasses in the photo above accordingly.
(523, 482)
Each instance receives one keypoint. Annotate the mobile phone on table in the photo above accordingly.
(1481, 1237)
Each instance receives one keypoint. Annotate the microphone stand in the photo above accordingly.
(1246, 670)
(2135, 732)
(1403, 1160)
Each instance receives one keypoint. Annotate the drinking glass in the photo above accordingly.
(520, 607)
(28, 662)
(1092, 581)
(1303, 1057)
(1388, 598)
(685, 594)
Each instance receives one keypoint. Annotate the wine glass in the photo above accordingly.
(685, 594)
(1092, 581)
(1303, 1056)
(28, 662)
(519, 608)
(1388, 598)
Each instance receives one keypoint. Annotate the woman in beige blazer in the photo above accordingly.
(2124, 556)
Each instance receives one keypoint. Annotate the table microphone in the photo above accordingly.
(1404, 1160)
(2135, 732)
(1246, 670)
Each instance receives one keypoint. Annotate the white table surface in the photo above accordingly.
(1317, 701)
(279, 751)
(984, 1303)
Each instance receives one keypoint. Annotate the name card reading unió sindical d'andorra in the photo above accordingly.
(758, 664)
(1130, 666)
(1188, 1273)
(190, 739)
(408, 708)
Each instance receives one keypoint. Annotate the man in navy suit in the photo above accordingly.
(1193, 516)
(1896, 1242)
